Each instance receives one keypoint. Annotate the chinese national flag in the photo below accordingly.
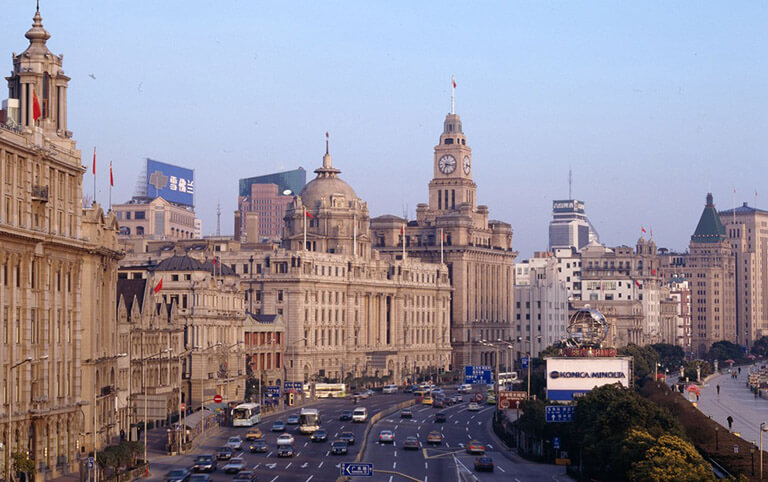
(402, 229)
(94, 160)
(159, 286)
(36, 112)
(453, 82)
(308, 214)
(642, 229)
(111, 178)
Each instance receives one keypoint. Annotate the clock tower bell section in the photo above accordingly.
(451, 184)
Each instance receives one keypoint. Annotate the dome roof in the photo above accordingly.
(326, 183)
(179, 263)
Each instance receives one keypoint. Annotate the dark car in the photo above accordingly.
(411, 443)
(199, 478)
(440, 417)
(406, 413)
(339, 447)
(292, 420)
(410, 388)
(204, 463)
(258, 446)
(346, 416)
(278, 426)
(484, 464)
(285, 451)
(245, 476)
(438, 403)
(224, 453)
(319, 435)
(348, 437)
(177, 475)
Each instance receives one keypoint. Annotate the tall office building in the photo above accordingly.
(58, 273)
(710, 269)
(747, 230)
(570, 227)
(263, 201)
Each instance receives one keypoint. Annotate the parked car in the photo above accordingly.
(285, 439)
(319, 436)
(285, 451)
(245, 476)
(253, 433)
(411, 443)
(484, 464)
(177, 475)
(475, 447)
(292, 420)
(386, 436)
(440, 417)
(204, 463)
(435, 437)
(406, 413)
(258, 446)
(339, 447)
(235, 465)
(235, 443)
(278, 426)
(224, 453)
(345, 416)
(348, 437)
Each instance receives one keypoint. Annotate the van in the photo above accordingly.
(389, 389)
(360, 414)
(465, 388)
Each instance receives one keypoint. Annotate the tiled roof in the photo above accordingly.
(180, 263)
(710, 229)
(743, 209)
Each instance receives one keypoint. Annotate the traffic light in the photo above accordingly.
(290, 399)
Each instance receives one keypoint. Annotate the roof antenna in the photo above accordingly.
(570, 183)
(38, 5)
(218, 219)
(326, 143)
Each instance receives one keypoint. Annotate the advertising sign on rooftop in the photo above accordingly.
(173, 183)
(569, 378)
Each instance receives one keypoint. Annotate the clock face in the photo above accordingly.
(467, 164)
(447, 164)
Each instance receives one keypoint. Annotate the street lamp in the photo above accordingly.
(144, 389)
(10, 406)
(717, 429)
(496, 344)
(203, 377)
(96, 398)
(763, 428)
(285, 367)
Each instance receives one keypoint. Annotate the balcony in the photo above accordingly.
(40, 193)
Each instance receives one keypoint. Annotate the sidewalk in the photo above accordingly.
(736, 400)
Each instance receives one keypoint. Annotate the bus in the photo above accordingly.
(246, 415)
(507, 380)
(330, 390)
(309, 420)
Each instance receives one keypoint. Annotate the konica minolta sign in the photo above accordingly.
(556, 374)
(571, 377)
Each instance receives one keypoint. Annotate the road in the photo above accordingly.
(314, 463)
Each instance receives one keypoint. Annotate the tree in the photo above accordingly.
(23, 464)
(671, 356)
(644, 359)
(666, 458)
(760, 347)
(553, 350)
(724, 350)
(691, 371)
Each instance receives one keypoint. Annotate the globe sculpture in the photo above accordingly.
(587, 328)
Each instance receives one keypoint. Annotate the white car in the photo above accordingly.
(285, 439)
(473, 407)
(465, 388)
(234, 465)
(386, 436)
(235, 443)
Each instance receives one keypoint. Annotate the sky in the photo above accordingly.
(651, 104)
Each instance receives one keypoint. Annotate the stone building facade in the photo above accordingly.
(58, 263)
(452, 229)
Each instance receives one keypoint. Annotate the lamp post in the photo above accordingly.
(285, 367)
(496, 344)
(763, 428)
(717, 429)
(203, 377)
(96, 398)
(752, 456)
(144, 389)
(10, 410)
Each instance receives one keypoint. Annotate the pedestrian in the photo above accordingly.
(739, 370)
(697, 396)
(730, 423)
(718, 389)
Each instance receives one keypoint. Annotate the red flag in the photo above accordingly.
(453, 82)
(402, 229)
(308, 214)
(642, 229)
(36, 112)
(159, 286)
(638, 284)
(653, 272)
(214, 261)
(94, 160)
(111, 178)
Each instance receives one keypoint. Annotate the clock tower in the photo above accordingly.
(452, 185)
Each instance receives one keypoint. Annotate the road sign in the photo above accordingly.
(90, 462)
(524, 362)
(218, 399)
(298, 386)
(559, 413)
(479, 397)
(555, 442)
(356, 469)
(474, 374)
(735, 449)
(510, 399)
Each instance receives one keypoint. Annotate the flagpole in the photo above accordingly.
(354, 235)
(110, 185)
(94, 173)
(305, 229)
(403, 242)
(441, 245)
(453, 89)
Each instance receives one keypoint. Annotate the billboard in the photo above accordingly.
(172, 183)
(569, 378)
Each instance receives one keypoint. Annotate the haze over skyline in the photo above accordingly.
(651, 105)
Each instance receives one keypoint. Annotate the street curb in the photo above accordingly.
(371, 422)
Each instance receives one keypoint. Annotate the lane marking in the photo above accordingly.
(289, 464)
(310, 478)
(304, 465)
(269, 454)
(321, 464)
(328, 453)
(276, 476)
(500, 468)
(390, 478)
(394, 465)
(426, 465)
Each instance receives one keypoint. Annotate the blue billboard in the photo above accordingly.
(474, 374)
(172, 183)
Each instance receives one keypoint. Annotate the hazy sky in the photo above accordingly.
(651, 104)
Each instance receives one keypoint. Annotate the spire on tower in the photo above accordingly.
(453, 90)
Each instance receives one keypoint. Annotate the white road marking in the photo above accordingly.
(456, 422)
(341, 428)
(328, 453)
(298, 453)
(304, 465)
(256, 466)
(490, 446)
(269, 454)
(310, 478)
(500, 468)
(289, 464)
(472, 417)
(479, 423)
(397, 426)
(461, 445)
(321, 464)
(390, 478)
(276, 476)
(426, 466)
(469, 436)
(421, 444)
(305, 443)
(395, 453)
(425, 478)
(394, 465)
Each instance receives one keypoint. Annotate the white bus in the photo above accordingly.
(309, 420)
(330, 390)
(246, 415)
